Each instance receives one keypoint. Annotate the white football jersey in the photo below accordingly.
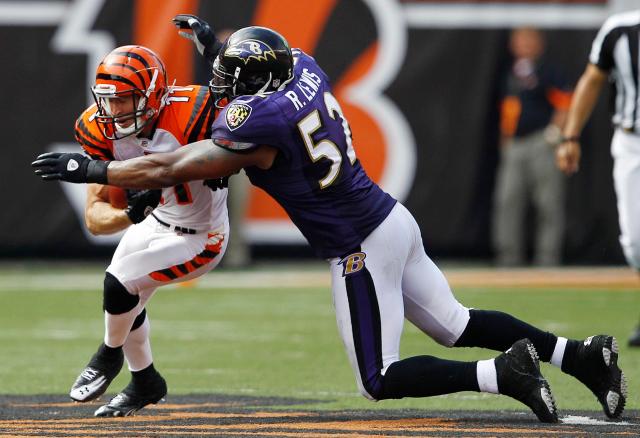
(186, 118)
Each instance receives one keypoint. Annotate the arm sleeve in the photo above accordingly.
(602, 48)
(243, 126)
(91, 140)
(196, 115)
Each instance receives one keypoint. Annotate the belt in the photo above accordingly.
(175, 227)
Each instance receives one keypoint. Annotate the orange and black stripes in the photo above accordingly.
(201, 115)
(91, 140)
(183, 194)
(130, 65)
(211, 251)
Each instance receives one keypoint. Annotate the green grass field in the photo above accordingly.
(271, 341)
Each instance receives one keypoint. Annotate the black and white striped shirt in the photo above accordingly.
(615, 50)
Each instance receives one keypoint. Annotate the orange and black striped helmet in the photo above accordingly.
(130, 90)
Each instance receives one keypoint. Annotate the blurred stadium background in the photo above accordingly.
(418, 81)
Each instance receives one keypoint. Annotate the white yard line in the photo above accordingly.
(588, 421)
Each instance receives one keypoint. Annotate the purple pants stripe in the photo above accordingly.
(365, 325)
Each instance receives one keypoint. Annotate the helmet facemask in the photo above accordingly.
(223, 85)
(124, 109)
(122, 124)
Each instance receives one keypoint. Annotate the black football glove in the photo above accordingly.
(75, 168)
(200, 32)
(217, 183)
(140, 203)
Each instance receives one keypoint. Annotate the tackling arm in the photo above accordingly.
(196, 161)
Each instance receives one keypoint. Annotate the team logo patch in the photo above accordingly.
(248, 50)
(237, 114)
(72, 165)
(352, 263)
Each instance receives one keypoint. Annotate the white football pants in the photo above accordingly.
(148, 256)
(625, 149)
(388, 279)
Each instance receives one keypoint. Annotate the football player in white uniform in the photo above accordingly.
(138, 113)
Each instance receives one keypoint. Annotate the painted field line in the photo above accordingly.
(616, 278)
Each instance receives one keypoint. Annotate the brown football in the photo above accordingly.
(117, 197)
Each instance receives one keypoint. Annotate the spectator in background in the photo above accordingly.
(614, 53)
(533, 112)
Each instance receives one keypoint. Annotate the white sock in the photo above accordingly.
(137, 348)
(558, 352)
(487, 376)
(117, 327)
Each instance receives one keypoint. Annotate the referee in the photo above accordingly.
(614, 53)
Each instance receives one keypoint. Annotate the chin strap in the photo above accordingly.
(266, 85)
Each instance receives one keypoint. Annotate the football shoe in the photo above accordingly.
(94, 380)
(596, 365)
(134, 397)
(518, 372)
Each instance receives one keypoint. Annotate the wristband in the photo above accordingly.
(573, 139)
(97, 172)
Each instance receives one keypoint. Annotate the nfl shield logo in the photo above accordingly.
(237, 114)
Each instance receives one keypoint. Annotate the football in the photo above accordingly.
(117, 197)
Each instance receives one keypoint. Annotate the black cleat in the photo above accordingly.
(634, 339)
(94, 380)
(133, 398)
(596, 365)
(519, 377)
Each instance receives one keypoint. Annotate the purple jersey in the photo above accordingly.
(316, 177)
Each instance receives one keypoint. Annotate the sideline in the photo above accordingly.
(316, 275)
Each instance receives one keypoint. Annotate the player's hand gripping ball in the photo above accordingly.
(140, 203)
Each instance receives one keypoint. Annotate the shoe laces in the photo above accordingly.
(89, 373)
(120, 397)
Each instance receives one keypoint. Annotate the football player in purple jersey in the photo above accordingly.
(282, 124)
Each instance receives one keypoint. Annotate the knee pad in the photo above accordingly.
(139, 320)
(117, 299)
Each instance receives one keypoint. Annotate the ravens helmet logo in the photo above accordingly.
(251, 49)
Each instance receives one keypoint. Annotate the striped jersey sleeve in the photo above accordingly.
(193, 112)
(615, 27)
(89, 136)
(616, 50)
